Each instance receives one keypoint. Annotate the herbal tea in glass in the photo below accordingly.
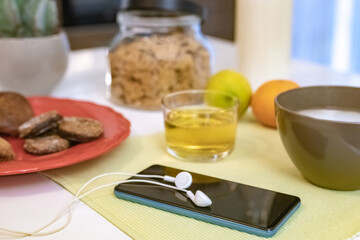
(200, 125)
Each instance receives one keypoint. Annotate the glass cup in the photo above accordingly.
(200, 125)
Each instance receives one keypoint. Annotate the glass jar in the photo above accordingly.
(155, 53)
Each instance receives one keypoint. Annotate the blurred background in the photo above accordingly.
(326, 32)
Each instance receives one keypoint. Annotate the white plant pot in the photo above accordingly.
(33, 66)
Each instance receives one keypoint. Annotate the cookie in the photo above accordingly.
(46, 145)
(6, 151)
(80, 129)
(14, 111)
(39, 124)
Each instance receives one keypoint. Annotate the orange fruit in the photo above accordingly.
(263, 100)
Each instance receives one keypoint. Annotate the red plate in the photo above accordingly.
(116, 129)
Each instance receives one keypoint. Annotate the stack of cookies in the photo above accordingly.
(44, 134)
(50, 132)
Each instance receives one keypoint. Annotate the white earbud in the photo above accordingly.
(200, 199)
(182, 180)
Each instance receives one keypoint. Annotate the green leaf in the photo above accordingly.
(46, 18)
(10, 19)
(29, 15)
(51, 19)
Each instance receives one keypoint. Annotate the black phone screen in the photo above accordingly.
(234, 202)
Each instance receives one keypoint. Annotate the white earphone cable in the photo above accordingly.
(91, 180)
(69, 207)
(117, 173)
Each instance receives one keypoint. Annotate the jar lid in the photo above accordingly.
(175, 6)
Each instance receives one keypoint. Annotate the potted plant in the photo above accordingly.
(33, 49)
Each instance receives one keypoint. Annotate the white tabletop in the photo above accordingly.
(31, 200)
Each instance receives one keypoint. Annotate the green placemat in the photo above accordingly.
(259, 159)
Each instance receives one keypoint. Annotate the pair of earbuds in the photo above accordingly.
(182, 181)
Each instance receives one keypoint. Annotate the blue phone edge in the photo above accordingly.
(203, 217)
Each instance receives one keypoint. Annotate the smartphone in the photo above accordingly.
(234, 205)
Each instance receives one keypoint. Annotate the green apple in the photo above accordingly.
(233, 83)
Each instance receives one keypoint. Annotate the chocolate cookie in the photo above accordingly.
(6, 151)
(80, 129)
(14, 111)
(40, 124)
(46, 145)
